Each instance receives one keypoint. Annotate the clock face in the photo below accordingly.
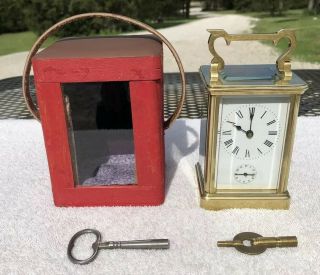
(251, 134)
(258, 131)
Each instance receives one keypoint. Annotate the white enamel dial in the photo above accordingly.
(251, 135)
(258, 131)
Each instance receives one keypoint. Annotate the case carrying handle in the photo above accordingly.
(26, 73)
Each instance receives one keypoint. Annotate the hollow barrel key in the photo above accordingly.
(258, 244)
(97, 245)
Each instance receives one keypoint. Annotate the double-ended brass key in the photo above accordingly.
(253, 243)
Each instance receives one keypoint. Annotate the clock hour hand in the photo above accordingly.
(237, 126)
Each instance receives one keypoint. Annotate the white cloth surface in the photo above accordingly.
(34, 234)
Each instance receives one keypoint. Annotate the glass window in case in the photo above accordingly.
(100, 132)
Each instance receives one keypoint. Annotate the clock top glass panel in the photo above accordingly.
(264, 75)
(251, 134)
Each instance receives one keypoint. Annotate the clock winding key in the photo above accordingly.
(98, 245)
(253, 244)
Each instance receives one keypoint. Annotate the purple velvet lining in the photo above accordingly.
(119, 169)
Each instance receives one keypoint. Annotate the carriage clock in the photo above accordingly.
(247, 139)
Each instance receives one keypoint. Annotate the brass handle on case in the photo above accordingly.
(283, 62)
(27, 68)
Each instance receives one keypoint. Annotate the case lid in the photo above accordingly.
(103, 47)
(90, 59)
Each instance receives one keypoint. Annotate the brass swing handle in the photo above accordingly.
(283, 61)
(27, 68)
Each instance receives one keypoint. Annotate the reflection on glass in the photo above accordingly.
(202, 145)
(100, 132)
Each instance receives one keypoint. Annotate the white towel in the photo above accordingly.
(34, 234)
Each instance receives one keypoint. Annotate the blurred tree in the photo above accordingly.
(39, 15)
(211, 5)
(228, 4)
(313, 6)
(280, 7)
(276, 7)
(76, 28)
(273, 7)
(158, 9)
(297, 4)
(149, 10)
(218, 4)
(12, 16)
(187, 4)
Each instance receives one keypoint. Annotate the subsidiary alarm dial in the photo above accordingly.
(245, 173)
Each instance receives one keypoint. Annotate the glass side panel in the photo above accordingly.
(100, 132)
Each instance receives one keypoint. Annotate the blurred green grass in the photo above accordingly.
(23, 41)
(307, 29)
(18, 42)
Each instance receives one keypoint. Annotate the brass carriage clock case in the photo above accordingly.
(241, 81)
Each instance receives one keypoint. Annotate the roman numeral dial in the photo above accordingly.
(247, 150)
(249, 132)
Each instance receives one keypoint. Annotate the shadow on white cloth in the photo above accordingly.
(180, 143)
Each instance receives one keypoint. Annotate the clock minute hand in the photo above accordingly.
(237, 126)
(251, 112)
(245, 174)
